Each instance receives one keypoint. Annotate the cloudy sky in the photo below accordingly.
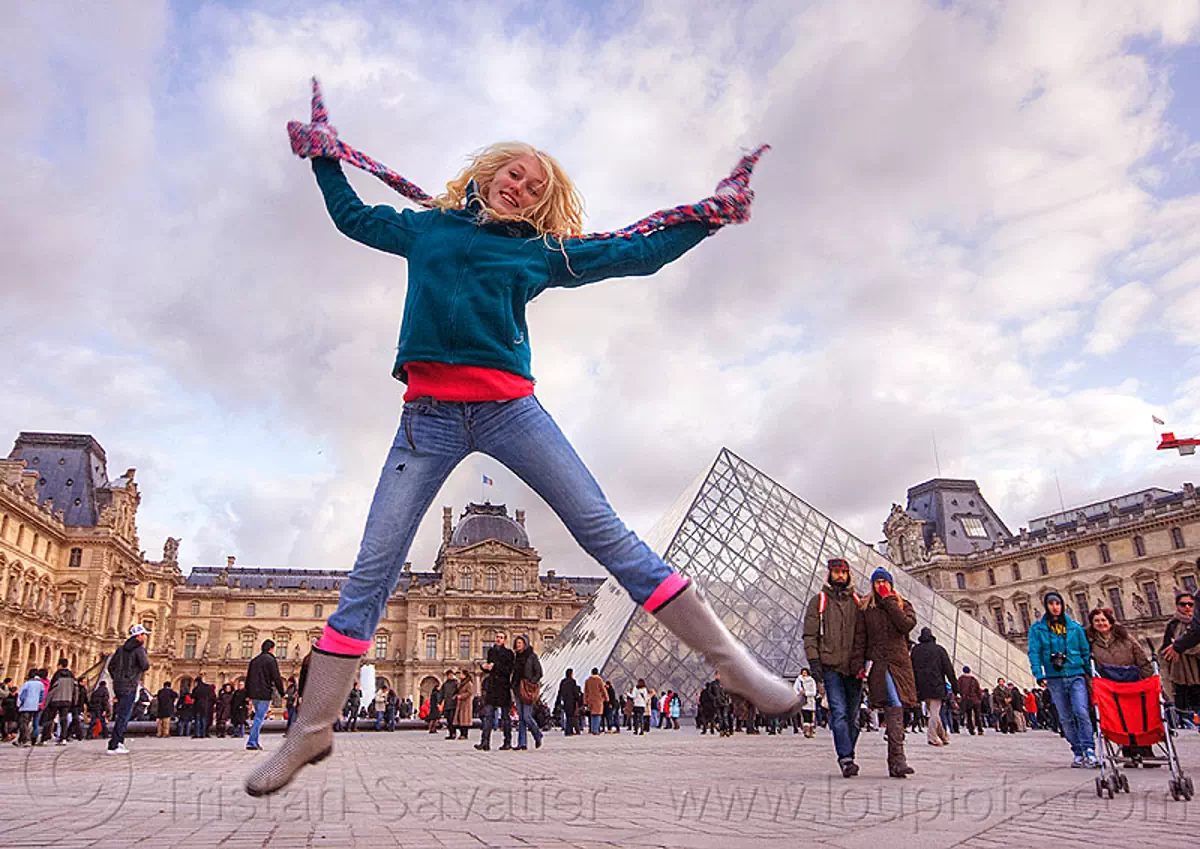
(980, 221)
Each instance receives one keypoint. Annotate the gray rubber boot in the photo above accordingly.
(689, 617)
(310, 739)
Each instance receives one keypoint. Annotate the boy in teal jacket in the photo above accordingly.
(1060, 658)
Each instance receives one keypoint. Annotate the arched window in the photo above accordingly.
(466, 580)
(549, 612)
(1105, 554)
(492, 579)
(285, 609)
(250, 609)
(76, 558)
(150, 588)
(1139, 548)
(194, 608)
(318, 611)
(960, 580)
(433, 611)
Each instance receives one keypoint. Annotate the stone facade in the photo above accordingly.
(1130, 553)
(73, 580)
(485, 577)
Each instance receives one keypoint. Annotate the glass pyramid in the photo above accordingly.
(758, 553)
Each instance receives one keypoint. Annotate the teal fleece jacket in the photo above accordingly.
(469, 280)
(1043, 642)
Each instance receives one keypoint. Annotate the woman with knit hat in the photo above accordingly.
(1060, 658)
(889, 619)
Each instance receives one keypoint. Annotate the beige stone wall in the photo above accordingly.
(460, 613)
(72, 591)
(1131, 559)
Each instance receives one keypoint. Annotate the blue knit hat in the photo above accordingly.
(882, 573)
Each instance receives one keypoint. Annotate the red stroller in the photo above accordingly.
(1133, 714)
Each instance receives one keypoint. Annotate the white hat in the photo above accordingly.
(138, 629)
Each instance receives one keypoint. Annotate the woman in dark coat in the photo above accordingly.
(435, 709)
(526, 667)
(224, 708)
(889, 619)
(185, 709)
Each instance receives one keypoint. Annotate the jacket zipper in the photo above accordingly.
(462, 269)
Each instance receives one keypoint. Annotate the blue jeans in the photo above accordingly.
(843, 693)
(525, 721)
(121, 714)
(261, 706)
(200, 729)
(594, 721)
(433, 438)
(1071, 701)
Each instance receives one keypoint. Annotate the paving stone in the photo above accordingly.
(666, 789)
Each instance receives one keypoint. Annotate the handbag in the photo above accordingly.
(528, 692)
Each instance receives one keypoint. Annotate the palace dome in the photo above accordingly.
(481, 522)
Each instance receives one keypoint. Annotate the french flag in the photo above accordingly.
(488, 481)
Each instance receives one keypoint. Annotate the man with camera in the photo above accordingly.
(1060, 658)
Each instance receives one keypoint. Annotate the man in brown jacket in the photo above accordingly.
(594, 694)
(972, 697)
(835, 641)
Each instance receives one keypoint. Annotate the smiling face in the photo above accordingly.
(1100, 622)
(517, 186)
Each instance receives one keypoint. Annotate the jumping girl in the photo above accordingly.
(506, 229)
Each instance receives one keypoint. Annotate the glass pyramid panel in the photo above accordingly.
(757, 552)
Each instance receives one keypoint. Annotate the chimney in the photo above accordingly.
(521, 518)
(229, 561)
(447, 524)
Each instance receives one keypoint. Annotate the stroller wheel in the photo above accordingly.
(1185, 785)
(1176, 790)
(1123, 782)
(1099, 788)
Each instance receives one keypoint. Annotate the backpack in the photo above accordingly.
(423, 713)
(823, 603)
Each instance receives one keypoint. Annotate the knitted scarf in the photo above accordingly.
(729, 204)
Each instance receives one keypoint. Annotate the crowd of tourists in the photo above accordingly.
(864, 672)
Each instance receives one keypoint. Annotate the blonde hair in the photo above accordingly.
(559, 210)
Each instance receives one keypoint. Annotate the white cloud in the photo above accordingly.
(1119, 317)
(949, 189)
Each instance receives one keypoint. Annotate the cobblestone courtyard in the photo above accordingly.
(669, 789)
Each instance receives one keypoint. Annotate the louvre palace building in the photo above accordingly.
(1131, 553)
(74, 579)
